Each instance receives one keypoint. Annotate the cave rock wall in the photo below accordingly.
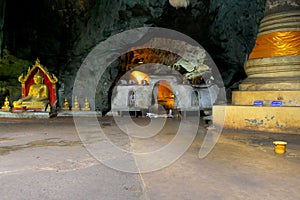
(63, 32)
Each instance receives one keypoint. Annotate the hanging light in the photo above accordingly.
(179, 3)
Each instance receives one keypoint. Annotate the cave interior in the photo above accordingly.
(62, 33)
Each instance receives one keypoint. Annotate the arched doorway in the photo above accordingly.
(163, 94)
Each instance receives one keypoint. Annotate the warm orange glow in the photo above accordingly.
(140, 76)
(165, 95)
(276, 44)
(179, 3)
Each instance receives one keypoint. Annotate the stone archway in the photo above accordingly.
(163, 94)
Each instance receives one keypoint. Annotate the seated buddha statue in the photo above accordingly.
(38, 95)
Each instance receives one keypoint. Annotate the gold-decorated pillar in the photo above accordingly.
(269, 99)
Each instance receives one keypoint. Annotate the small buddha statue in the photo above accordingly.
(76, 104)
(66, 105)
(6, 106)
(86, 105)
(38, 95)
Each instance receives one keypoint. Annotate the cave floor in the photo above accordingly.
(45, 159)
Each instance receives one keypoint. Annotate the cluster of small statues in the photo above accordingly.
(76, 106)
(6, 107)
(38, 95)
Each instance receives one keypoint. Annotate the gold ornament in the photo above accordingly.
(66, 105)
(86, 105)
(6, 106)
(76, 104)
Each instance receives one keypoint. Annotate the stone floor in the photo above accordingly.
(45, 159)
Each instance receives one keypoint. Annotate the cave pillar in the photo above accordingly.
(269, 99)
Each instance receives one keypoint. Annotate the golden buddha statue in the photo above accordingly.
(76, 104)
(38, 95)
(6, 106)
(66, 105)
(86, 105)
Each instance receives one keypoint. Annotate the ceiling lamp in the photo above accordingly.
(179, 3)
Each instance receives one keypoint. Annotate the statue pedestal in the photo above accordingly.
(258, 118)
(244, 115)
(72, 113)
(25, 115)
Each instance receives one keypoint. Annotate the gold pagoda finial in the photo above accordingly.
(86, 105)
(6, 106)
(76, 104)
(37, 61)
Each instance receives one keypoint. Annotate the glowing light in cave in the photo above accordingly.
(165, 95)
(179, 3)
(140, 76)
